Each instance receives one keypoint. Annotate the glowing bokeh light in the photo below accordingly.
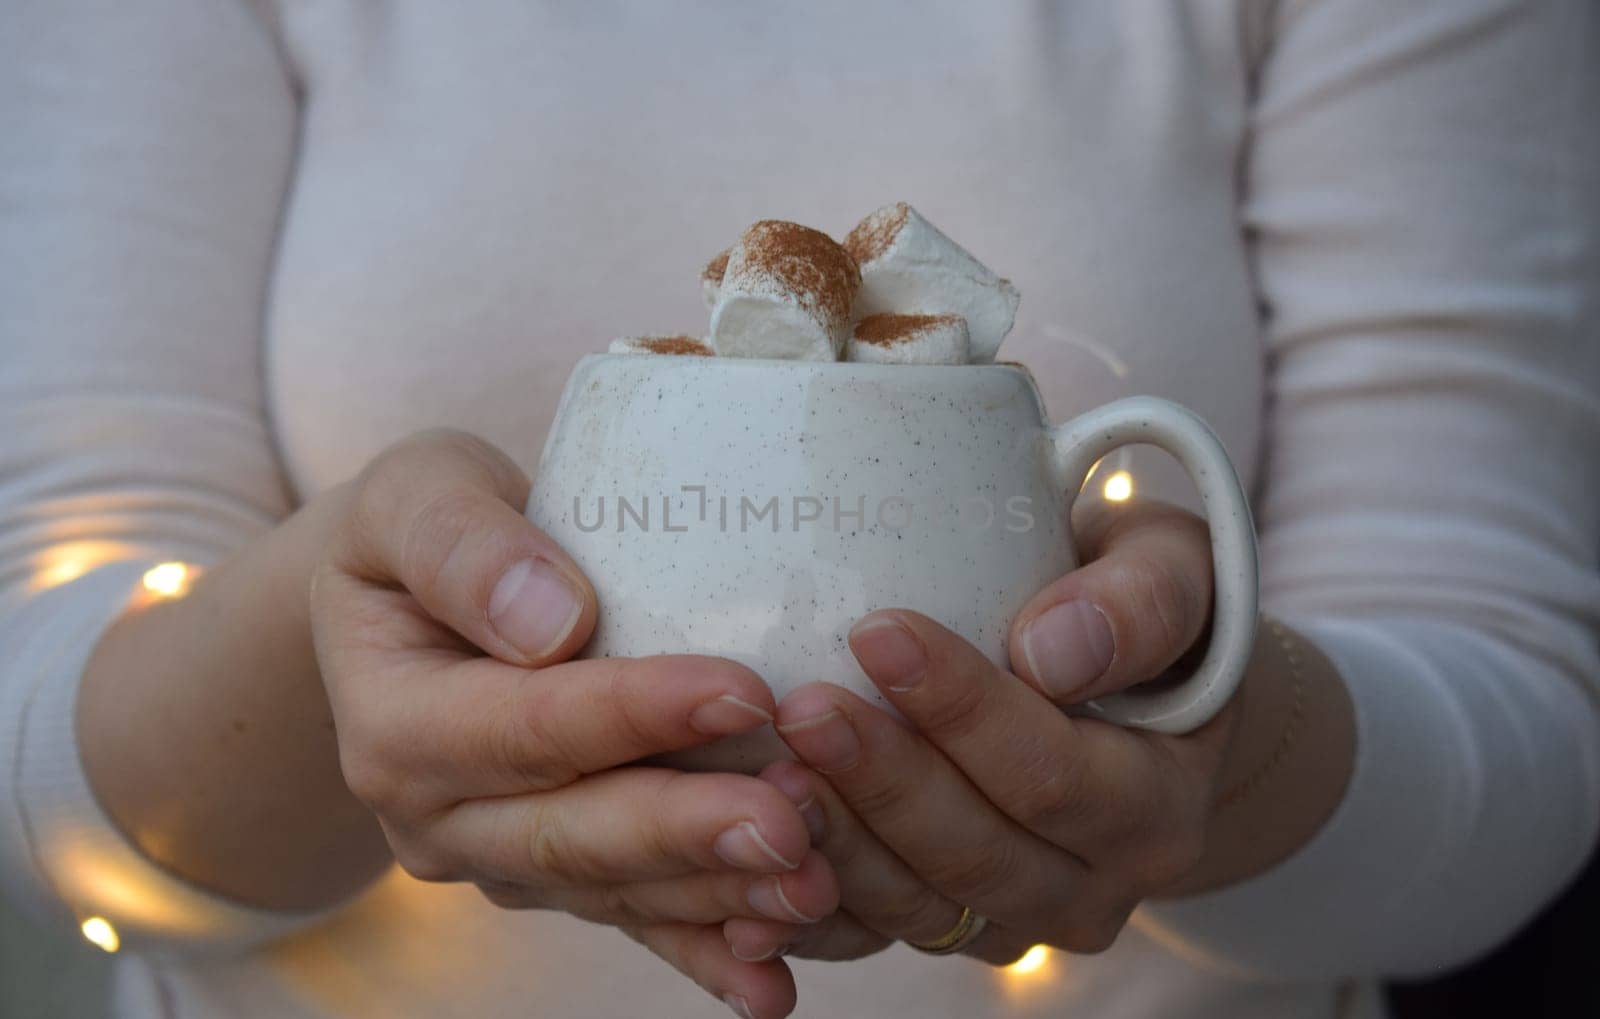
(169, 580)
(1031, 962)
(97, 930)
(65, 561)
(1119, 487)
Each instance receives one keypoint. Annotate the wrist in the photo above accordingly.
(1287, 765)
(1271, 708)
(205, 732)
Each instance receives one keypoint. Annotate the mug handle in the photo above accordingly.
(1186, 705)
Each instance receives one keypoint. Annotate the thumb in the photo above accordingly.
(441, 515)
(1141, 604)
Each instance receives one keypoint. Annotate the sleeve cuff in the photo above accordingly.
(62, 855)
(1337, 906)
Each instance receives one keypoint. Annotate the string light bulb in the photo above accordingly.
(1119, 487)
(97, 930)
(168, 580)
(1031, 962)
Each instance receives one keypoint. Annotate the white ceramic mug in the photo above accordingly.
(756, 509)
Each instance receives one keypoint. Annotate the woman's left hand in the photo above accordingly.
(1051, 827)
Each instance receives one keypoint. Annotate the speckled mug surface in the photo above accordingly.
(756, 509)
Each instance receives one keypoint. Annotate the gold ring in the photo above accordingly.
(964, 933)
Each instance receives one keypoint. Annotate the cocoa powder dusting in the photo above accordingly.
(807, 261)
(718, 265)
(675, 345)
(887, 330)
(873, 235)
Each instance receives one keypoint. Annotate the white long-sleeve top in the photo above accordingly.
(245, 245)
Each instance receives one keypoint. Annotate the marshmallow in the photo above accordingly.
(787, 294)
(910, 339)
(908, 266)
(711, 277)
(661, 345)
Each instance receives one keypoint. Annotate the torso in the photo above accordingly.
(482, 198)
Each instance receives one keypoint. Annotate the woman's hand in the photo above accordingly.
(1051, 827)
(511, 769)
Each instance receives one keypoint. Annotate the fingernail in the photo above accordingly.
(767, 898)
(827, 741)
(889, 652)
(740, 1007)
(793, 786)
(1068, 646)
(816, 824)
(534, 607)
(771, 953)
(727, 715)
(744, 847)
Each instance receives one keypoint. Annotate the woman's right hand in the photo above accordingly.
(443, 623)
